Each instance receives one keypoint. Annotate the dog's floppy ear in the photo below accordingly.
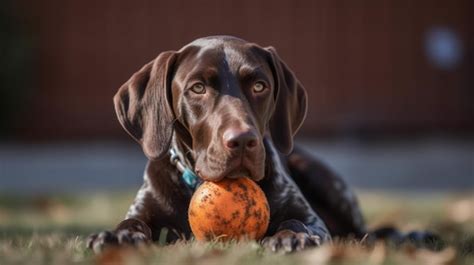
(290, 104)
(143, 106)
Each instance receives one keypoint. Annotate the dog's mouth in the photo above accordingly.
(212, 170)
(238, 173)
(228, 172)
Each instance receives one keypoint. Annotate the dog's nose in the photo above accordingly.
(235, 138)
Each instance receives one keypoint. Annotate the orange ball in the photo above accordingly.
(229, 209)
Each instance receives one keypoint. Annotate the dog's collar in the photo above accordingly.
(187, 175)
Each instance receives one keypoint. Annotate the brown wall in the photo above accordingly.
(362, 62)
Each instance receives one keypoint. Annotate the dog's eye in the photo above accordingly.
(198, 88)
(258, 87)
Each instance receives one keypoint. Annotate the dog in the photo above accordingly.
(222, 107)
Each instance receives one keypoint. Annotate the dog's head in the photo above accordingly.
(224, 95)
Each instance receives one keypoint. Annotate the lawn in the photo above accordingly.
(52, 230)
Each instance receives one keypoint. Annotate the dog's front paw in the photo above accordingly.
(123, 237)
(289, 241)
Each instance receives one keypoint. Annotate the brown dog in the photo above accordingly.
(226, 107)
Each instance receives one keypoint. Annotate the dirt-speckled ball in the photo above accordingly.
(229, 209)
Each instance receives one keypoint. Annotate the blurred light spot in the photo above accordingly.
(462, 211)
(443, 47)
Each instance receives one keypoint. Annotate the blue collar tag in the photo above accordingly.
(188, 176)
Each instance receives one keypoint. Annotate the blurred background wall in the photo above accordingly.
(396, 68)
(369, 66)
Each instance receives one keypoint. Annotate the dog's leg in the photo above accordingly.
(294, 225)
(131, 231)
(157, 208)
(328, 195)
(295, 235)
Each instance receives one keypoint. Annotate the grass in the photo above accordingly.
(52, 230)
